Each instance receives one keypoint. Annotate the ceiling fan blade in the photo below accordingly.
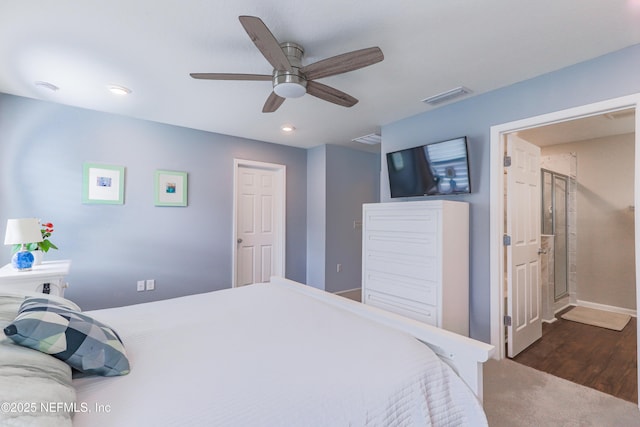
(342, 63)
(273, 103)
(231, 76)
(265, 42)
(330, 94)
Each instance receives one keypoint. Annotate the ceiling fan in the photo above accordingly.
(290, 78)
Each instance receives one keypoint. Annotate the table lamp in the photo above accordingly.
(20, 232)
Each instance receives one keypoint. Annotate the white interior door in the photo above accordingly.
(523, 228)
(259, 223)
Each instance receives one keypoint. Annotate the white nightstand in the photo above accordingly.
(48, 277)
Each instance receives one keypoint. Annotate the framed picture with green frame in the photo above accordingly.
(102, 184)
(170, 188)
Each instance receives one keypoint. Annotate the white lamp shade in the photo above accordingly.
(22, 230)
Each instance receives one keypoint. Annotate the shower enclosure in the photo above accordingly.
(554, 222)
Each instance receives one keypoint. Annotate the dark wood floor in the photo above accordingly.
(595, 357)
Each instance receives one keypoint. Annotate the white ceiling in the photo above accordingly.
(430, 46)
(599, 126)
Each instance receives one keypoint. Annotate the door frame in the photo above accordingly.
(279, 262)
(497, 194)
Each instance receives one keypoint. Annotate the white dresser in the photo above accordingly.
(48, 277)
(415, 261)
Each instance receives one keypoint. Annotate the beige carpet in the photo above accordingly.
(518, 396)
(601, 318)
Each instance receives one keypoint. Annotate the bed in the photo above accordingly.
(274, 354)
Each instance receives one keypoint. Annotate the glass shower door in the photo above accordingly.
(560, 233)
(547, 202)
(554, 222)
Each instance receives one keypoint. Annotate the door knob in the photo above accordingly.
(239, 240)
(541, 251)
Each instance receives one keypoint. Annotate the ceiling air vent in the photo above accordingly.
(371, 139)
(447, 96)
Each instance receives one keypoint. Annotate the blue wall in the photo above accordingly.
(187, 250)
(339, 181)
(610, 76)
(352, 179)
(316, 215)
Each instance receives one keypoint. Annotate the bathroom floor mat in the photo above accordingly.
(601, 318)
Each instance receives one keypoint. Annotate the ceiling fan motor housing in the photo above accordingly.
(290, 84)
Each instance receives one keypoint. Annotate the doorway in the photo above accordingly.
(498, 136)
(259, 221)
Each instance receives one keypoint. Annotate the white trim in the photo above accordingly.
(496, 224)
(558, 310)
(604, 307)
(279, 266)
(464, 355)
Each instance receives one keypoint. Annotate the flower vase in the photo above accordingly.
(37, 257)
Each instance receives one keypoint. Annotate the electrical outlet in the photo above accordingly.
(140, 285)
(151, 284)
(338, 268)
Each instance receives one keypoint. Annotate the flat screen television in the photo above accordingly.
(439, 168)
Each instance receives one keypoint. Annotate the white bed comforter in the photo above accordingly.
(266, 356)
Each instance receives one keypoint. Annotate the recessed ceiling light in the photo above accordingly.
(287, 128)
(47, 85)
(119, 90)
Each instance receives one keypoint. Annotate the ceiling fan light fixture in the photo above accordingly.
(289, 90)
(289, 84)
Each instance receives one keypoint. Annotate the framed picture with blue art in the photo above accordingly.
(170, 188)
(102, 184)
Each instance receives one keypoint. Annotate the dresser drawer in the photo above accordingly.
(411, 309)
(412, 221)
(402, 243)
(411, 266)
(421, 291)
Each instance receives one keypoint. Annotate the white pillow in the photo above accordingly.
(35, 388)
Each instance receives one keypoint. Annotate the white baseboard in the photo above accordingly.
(612, 308)
(549, 321)
(563, 307)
